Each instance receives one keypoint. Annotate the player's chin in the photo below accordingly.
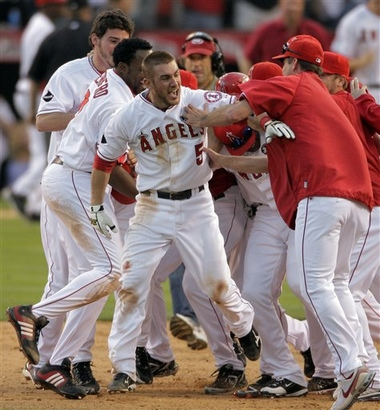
(174, 97)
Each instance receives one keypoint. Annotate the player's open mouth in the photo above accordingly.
(174, 93)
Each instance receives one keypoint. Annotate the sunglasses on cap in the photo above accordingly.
(239, 142)
(286, 48)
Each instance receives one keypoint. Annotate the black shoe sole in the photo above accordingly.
(72, 396)
(31, 355)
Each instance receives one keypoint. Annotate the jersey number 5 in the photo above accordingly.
(199, 153)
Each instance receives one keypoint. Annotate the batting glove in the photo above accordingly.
(101, 221)
(277, 129)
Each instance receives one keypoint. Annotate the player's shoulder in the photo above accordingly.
(74, 66)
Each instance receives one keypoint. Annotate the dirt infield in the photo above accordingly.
(183, 391)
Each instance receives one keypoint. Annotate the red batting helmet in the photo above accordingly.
(229, 83)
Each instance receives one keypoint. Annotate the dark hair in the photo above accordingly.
(306, 66)
(125, 51)
(111, 19)
(156, 58)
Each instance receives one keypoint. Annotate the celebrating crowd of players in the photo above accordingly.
(283, 173)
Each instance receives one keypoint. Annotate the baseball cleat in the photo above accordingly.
(251, 344)
(321, 385)
(29, 372)
(228, 379)
(162, 369)
(350, 389)
(27, 327)
(280, 387)
(121, 383)
(58, 379)
(144, 373)
(82, 375)
(308, 366)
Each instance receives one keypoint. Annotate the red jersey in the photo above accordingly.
(327, 157)
(369, 111)
(347, 104)
(221, 181)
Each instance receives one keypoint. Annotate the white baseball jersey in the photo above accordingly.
(172, 143)
(357, 33)
(65, 91)
(103, 97)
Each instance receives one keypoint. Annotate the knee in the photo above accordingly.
(217, 290)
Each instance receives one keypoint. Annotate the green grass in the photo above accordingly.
(23, 269)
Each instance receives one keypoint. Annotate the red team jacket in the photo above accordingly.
(326, 159)
(347, 104)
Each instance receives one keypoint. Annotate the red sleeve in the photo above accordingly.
(369, 111)
(102, 165)
(274, 95)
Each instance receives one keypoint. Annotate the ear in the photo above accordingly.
(146, 82)
(94, 39)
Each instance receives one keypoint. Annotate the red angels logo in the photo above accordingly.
(212, 96)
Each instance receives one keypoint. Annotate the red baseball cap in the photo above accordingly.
(188, 79)
(199, 45)
(238, 138)
(264, 70)
(334, 63)
(304, 47)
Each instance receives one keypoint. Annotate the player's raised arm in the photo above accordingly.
(249, 165)
(225, 115)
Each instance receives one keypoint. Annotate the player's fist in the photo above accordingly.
(101, 221)
(277, 129)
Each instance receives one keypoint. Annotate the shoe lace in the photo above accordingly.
(82, 372)
(142, 357)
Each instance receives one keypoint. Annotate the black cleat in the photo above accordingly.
(59, 380)
(251, 345)
(27, 328)
(82, 375)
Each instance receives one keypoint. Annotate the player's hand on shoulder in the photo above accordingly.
(101, 221)
(356, 88)
(277, 129)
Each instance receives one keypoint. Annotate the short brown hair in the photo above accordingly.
(156, 58)
(111, 19)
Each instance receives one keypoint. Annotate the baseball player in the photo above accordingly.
(315, 192)
(365, 261)
(266, 259)
(65, 186)
(172, 184)
(357, 37)
(202, 57)
(25, 192)
(60, 101)
(229, 359)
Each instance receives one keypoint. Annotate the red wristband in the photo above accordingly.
(264, 120)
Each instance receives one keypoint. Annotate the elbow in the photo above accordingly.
(41, 124)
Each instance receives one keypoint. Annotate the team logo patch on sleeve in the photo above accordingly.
(48, 96)
(103, 140)
(212, 96)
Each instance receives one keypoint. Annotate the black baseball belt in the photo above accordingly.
(174, 196)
